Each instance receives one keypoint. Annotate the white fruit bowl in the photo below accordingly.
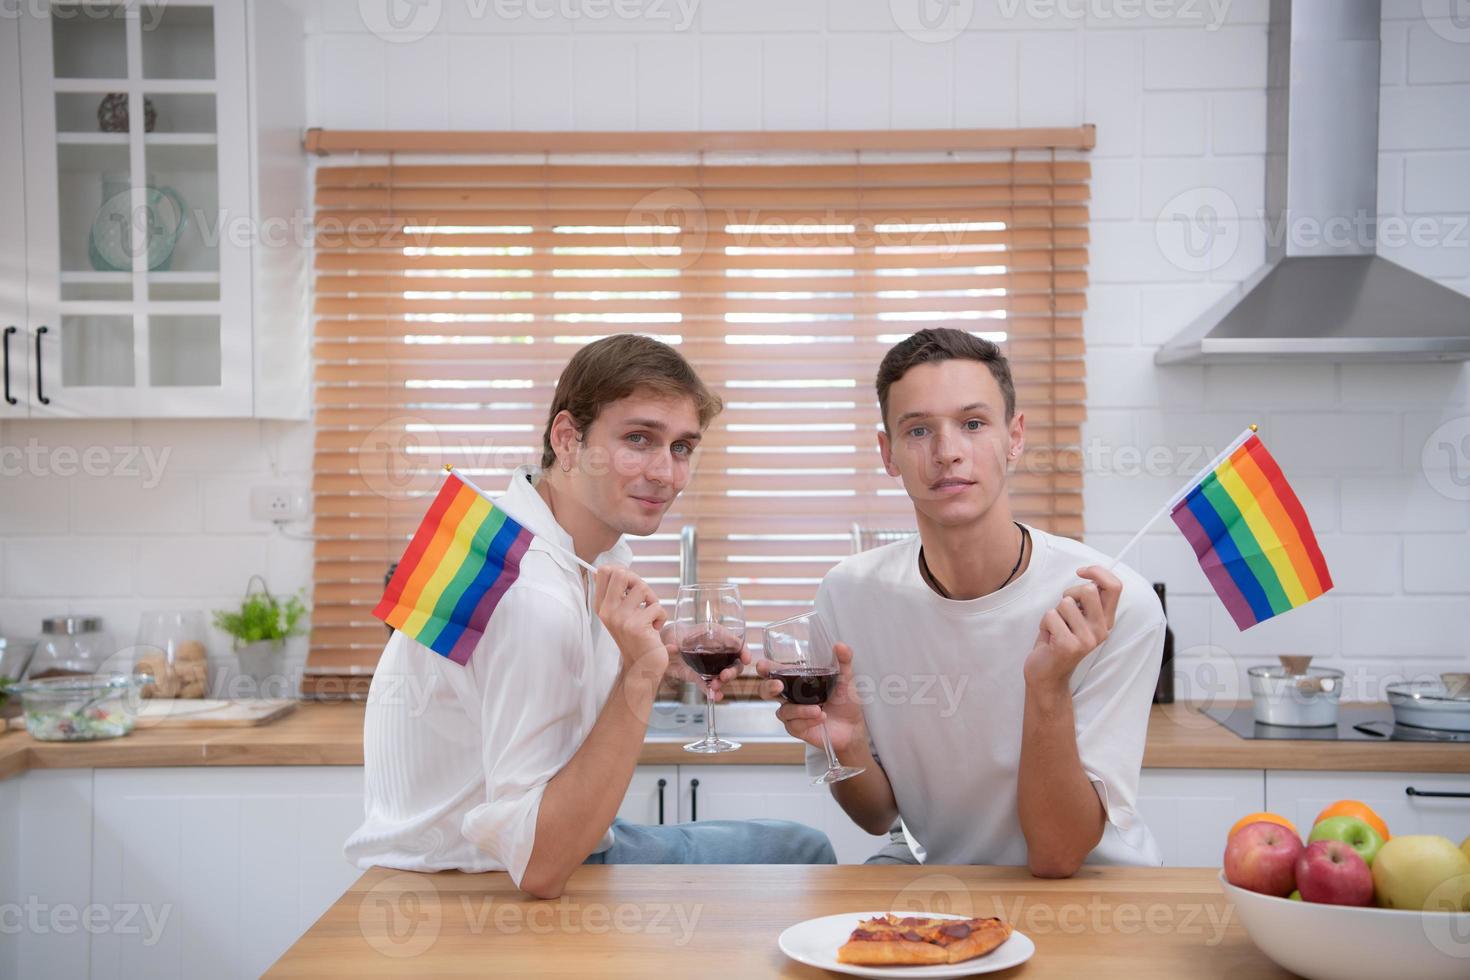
(1334, 942)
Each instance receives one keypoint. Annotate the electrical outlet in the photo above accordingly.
(279, 504)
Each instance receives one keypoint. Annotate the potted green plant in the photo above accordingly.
(260, 628)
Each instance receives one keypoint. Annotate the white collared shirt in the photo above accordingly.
(943, 694)
(457, 757)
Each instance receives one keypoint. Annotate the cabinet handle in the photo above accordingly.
(1411, 791)
(9, 398)
(661, 784)
(694, 799)
(40, 395)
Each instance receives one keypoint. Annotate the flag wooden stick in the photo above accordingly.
(1183, 492)
(448, 468)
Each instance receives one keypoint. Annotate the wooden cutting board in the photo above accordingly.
(205, 713)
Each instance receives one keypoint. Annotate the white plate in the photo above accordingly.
(815, 941)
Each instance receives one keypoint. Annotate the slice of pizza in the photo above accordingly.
(912, 940)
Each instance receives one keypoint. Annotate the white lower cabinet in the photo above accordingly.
(652, 796)
(726, 792)
(1300, 796)
(1189, 811)
(172, 872)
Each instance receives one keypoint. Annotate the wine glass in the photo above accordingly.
(802, 659)
(709, 625)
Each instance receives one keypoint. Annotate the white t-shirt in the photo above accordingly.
(458, 756)
(943, 695)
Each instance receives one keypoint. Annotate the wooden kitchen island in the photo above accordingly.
(651, 922)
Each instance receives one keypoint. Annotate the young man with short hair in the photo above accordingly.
(996, 679)
(519, 759)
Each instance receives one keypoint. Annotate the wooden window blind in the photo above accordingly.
(449, 295)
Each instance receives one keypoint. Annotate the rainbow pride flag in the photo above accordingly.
(462, 559)
(1251, 535)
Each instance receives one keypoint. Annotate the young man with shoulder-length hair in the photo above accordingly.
(519, 759)
(1006, 676)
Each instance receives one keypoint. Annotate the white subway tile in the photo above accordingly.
(793, 90)
(1255, 388)
(1433, 57)
(1334, 442)
(64, 568)
(200, 565)
(1174, 124)
(1402, 503)
(34, 504)
(873, 16)
(1424, 117)
(480, 82)
(1238, 122)
(1380, 385)
(1363, 564)
(1241, 179)
(216, 446)
(1166, 310)
(1312, 629)
(113, 505)
(1114, 189)
(923, 84)
(1166, 556)
(768, 17)
(1233, 57)
(730, 83)
(418, 84)
(352, 81)
(1119, 377)
(604, 83)
(1390, 183)
(1120, 504)
(1135, 252)
(1112, 315)
(986, 78)
(667, 17)
(1113, 91)
(1437, 444)
(1437, 563)
(1393, 47)
(1376, 628)
(541, 83)
(859, 76)
(667, 102)
(227, 505)
(502, 17)
(1048, 86)
(1434, 184)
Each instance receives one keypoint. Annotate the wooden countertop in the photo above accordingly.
(321, 734)
(724, 920)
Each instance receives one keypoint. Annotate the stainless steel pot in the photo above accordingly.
(1430, 704)
(1304, 698)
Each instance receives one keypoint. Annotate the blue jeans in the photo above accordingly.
(717, 842)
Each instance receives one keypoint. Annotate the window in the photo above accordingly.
(450, 295)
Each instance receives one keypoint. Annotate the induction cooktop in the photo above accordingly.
(1355, 723)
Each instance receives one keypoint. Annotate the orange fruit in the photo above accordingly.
(1263, 818)
(1355, 808)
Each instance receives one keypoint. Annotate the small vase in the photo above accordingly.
(263, 663)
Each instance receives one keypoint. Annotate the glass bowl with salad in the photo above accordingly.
(82, 707)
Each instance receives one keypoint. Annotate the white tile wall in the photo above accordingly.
(1180, 108)
(169, 528)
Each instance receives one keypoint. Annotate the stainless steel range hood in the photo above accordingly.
(1323, 294)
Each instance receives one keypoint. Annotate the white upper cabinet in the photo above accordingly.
(163, 256)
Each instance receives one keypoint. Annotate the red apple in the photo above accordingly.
(1261, 857)
(1331, 872)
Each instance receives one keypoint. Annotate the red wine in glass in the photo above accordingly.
(707, 656)
(806, 685)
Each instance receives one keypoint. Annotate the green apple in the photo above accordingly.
(1422, 872)
(1352, 831)
(1295, 896)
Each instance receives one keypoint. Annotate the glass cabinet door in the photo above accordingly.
(138, 178)
(15, 384)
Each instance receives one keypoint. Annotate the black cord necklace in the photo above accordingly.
(934, 582)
